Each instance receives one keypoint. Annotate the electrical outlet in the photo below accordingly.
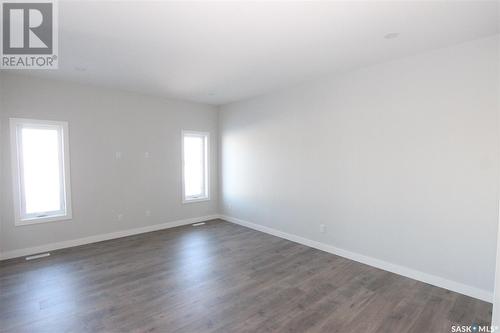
(119, 217)
(322, 228)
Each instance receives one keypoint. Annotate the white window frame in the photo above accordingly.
(16, 124)
(206, 137)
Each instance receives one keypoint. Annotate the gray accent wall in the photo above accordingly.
(102, 122)
(399, 161)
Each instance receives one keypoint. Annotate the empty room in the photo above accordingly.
(249, 166)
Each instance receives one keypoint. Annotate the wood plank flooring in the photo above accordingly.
(219, 277)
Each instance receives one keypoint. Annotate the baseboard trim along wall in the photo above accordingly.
(103, 237)
(387, 266)
(434, 280)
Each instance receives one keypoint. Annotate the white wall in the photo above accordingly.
(495, 320)
(398, 160)
(102, 122)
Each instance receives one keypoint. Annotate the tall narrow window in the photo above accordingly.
(195, 166)
(40, 163)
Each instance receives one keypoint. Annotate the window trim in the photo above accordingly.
(16, 160)
(205, 135)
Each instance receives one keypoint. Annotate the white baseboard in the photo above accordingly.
(390, 267)
(434, 280)
(99, 238)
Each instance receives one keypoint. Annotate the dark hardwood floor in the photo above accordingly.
(219, 277)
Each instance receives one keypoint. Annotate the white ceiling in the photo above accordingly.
(219, 52)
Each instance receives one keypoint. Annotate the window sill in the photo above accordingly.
(47, 219)
(186, 201)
